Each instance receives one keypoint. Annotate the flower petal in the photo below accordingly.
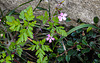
(48, 35)
(50, 41)
(47, 39)
(64, 18)
(61, 14)
(59, 17)
(65, 14)
(53, 38)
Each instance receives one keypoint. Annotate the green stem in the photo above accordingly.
(1, 12)
(49, 12)
(37, 5)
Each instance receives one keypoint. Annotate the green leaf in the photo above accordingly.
(38, 60)
(37, 47)
(92, 45)
(30, 34)
(55, 19)
(35, 42)
(79, 47)
(92, 34)
(0, 56)
(75, 52)
(2, 60)
(10, 18)
(86, 50)
(19, 50)
(52, 55)
(73, 34)
(67, 58)
(70, 43)
(37, 52)
(21, 38)
(22, 43)
(42, 51)
(71, 52)
(40, 56)
(14, 25)
(45, 60)
(81, 26)
(79, 57)
(43, 47)
(42, 42)
(25, 10)
(17, 28)
(46, 15)
(8, 58)
(25, 23)
(29, 14)
(44, 18)
(30, 11)
(61, 31)
(3, 54)
(28, 62)
(47, 48)
(96, 20)
(8, 62)
(33, 23)
(40, 17)
(84, 42)
(28, 18)
(30, 28)
(52, 31)
(32, 47)
(89, 29)
(60, 58)
(99, 55)
(12, 55)
(50, 27)
(25, 36)
(79, 31)
(12, 46)
(60, 50)
(44, 21)
(21, 16)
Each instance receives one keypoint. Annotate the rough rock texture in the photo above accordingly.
(11, 4)
(83, 9)
(3, 8)
(86, 10)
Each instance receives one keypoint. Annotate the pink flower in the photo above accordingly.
(49, 38)
(1, 35)
(0, 19)
(62, 16)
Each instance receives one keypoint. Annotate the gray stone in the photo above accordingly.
(85, 10)
(3, 8)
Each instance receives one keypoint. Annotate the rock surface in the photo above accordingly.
(85, 10)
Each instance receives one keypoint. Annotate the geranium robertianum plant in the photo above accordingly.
(42, 34)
